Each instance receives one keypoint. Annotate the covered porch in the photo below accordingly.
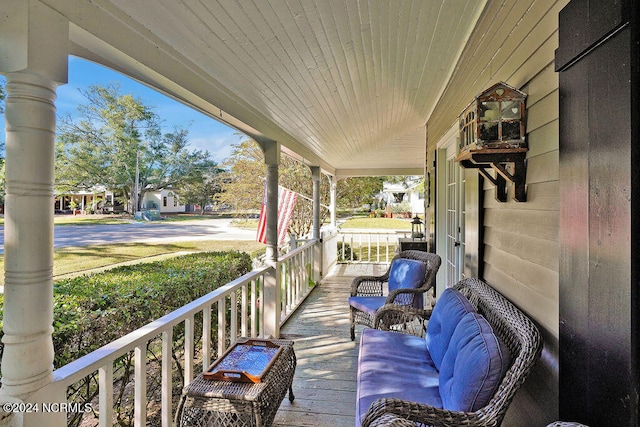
(359, 88)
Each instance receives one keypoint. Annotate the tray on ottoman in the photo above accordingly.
(246, 361)
(213, 402)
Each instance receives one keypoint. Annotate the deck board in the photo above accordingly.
(325, 381)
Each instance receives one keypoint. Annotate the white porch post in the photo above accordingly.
(332, 201)
(271, 297)
(33, 57)
(315, 228)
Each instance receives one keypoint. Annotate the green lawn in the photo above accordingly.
(382, 223)
(77, 260)
(90, 219)
(118, 219)
(81, 259)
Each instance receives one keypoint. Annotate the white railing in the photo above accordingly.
(240, 312)
(368, 245)
(296, 274)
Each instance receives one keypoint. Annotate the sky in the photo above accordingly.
(205, 133)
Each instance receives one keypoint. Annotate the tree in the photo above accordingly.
(202, 187)
(243, 185)
(296, 176)
(116, 140)
(354, 192)
(243, 182)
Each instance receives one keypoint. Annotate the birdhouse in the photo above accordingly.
(493, 139)
(495, 119)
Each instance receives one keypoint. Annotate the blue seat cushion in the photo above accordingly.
(407, 274)
(403, 273)
(450, 308)
(391, 364)
(367, 305)
(473, 365)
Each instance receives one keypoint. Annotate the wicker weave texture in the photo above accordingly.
(374, 285)
(565, 424)
(515, 329)
(235, 404)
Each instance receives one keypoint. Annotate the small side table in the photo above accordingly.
(412, 244)
(237, 404)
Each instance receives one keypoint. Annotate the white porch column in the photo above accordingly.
(332, 200)
(271, 296)
(315, 227)
(33, 57)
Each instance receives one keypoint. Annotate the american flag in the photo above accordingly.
(261, 236)
(286, 203)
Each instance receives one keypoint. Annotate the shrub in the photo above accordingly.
(347, 252)
(93, 310)
(90, 311)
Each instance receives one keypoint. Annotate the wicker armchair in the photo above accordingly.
(516, 330)
(373, 286)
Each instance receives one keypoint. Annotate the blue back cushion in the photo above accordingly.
(473, 366)
(407, 273)
(447, 313)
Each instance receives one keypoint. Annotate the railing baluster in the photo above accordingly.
(302, 261)
(295, 281)
(140, 386)
(233, 333)
(105, 399)
(254, 308)
(167, 381)
(300, 273)
(188, 350)
(284, 278)
(206, 338)
(351, 240)
(222, 326)
(261, 306)
(243, 312)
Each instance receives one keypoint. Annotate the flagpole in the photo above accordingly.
(300, 195)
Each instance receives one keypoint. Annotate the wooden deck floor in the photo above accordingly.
(325, 381)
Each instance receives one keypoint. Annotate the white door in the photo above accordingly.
(454, 219)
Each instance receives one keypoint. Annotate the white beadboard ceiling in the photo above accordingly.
(347, 85)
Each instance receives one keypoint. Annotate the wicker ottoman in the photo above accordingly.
(224, 403)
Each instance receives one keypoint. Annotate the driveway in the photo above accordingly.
(145, 232)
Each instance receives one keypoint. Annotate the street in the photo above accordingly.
(145, 232)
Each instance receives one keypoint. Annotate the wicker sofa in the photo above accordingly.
(476, 352)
